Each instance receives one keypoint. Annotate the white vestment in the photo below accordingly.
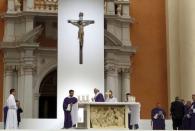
(11, 121)
(111, 99)
(135, 114)
(74, 113)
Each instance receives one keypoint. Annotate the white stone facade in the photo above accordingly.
(26, 63)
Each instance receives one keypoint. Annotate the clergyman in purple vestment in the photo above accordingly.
(187, 117)
(70, 107)
(5, 109)
(98, 96)
(158, 118)
(192, 123)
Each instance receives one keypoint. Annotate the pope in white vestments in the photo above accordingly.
(11, 120)
(110, 97)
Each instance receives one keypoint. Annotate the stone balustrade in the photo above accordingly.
(111, 7)
(46, 5)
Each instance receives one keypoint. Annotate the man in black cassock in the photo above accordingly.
(177, 113)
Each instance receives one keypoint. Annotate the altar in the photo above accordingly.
(104, 114)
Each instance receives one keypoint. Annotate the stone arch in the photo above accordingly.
(42, 75)
(48, 96)
(39, 79)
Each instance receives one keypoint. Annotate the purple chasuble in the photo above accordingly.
(5, 110)
(99, 98)
(159, 122)
(67, 114)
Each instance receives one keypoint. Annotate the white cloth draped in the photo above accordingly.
(11, 121)
(74, 113)
(135, 114)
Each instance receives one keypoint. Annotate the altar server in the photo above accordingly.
(109, 97)
(19, 111)
(133, 115)
(192, 123)
(70, 107)
(158, 118)
(98, 96)
(11, 120)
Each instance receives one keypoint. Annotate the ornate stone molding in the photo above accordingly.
(110, 69)
(46, 5)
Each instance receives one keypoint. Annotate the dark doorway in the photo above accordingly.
(48, 96)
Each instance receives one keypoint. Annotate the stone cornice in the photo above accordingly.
(17, 45)
(28, 13)
(122, 2)
(121, 50)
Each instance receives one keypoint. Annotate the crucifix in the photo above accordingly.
(81, 24)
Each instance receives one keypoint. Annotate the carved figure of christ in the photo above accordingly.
(81, 24)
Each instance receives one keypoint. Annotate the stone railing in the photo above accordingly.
(46, 5)
(111, 7)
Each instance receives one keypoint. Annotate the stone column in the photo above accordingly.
(125, 82)
(28, 67)
(180, 48)
(21, 86)
(112, 81)
(187, 47)
(8, 81)
(28, 91)
(173, 68)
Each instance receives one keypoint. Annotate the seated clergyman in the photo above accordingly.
(109, 97)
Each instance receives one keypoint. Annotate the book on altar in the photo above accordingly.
(69, 108)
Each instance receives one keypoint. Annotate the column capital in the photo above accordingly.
(125, 70)
(111, 69)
